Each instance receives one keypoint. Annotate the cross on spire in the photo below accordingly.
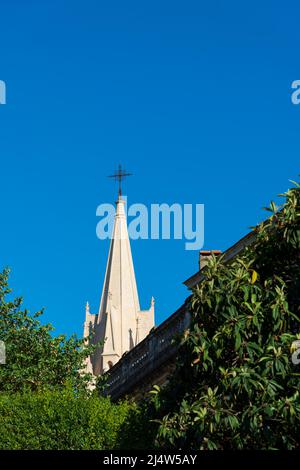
(119, 175)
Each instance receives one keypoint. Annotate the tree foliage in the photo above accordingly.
(235, 386)
(36, 359)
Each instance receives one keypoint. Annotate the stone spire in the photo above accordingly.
(119, 322)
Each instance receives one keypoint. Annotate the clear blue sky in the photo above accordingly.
(193, 97)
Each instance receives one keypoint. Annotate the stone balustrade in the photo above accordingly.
(149, 358)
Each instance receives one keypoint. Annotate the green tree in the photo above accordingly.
(235, 385)
(36, 359)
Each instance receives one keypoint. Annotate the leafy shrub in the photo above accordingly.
(58, 419)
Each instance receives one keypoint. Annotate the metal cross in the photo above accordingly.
(119, 175)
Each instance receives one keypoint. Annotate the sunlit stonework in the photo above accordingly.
(120, 322)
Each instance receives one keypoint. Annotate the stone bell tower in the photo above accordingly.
(119, 322)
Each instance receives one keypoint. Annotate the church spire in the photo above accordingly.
(119, 323)
(119, 295)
